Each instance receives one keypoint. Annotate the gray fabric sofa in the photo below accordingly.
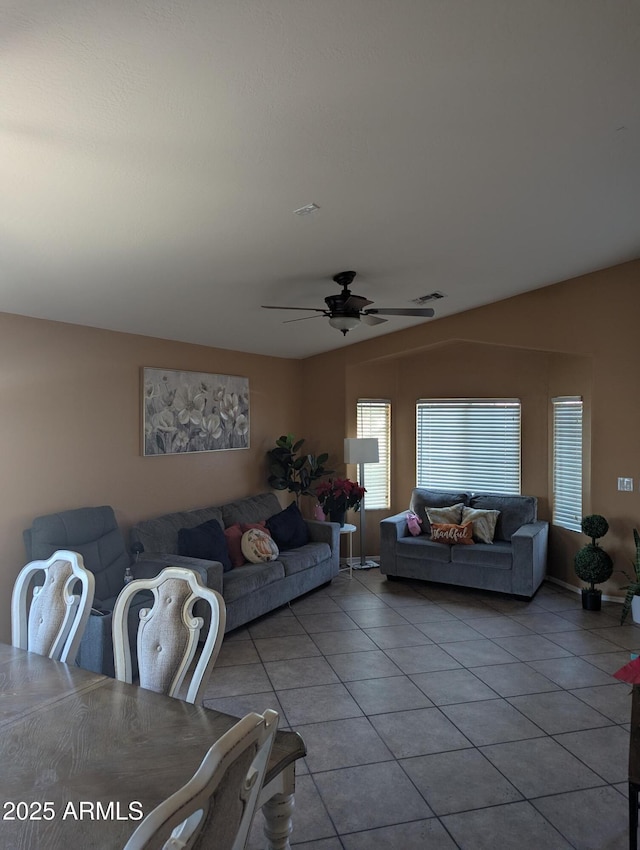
(252, 589)
(514, 563)
(94, 533)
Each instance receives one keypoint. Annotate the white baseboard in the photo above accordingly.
(575, 589)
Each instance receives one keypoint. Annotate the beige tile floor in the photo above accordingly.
(442, 718)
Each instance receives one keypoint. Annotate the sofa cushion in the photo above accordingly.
(483, 523)
(423, 549)
(297, 560)
(233, 536)
(251, 509)
(161, 534)
(249, 578)
(288, 528)
(447, 532)
(258, 546)
(514, 511)
(94, 534)
(481, 555)
(262, 526)
(205, 541)
(423, 498)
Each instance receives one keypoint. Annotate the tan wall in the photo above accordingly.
(575, 338)
(70, 429)
(70, 423)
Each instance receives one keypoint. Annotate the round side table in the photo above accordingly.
(348, 528)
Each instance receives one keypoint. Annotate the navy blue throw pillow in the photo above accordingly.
(288, 528)
(205, 541)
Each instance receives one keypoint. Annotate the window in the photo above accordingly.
(567, 462)
(374, 420)
(468, 444)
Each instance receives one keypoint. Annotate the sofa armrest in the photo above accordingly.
(152, 563)
(326, 532)
(392, 529)
(96, 647)
(529, 545)
(323, 532)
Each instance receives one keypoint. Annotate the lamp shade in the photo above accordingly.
(361, 450)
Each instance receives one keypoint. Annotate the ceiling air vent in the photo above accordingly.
(432, 296)
(306, 210)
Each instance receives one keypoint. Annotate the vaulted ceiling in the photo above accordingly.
(152, 154)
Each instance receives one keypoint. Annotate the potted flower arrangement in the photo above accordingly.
(592, 563)
(339, 495)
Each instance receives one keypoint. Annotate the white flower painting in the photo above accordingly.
(194, 412)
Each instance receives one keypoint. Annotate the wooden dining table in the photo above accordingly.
(84, 757)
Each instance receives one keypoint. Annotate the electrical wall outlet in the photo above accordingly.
(625, 484)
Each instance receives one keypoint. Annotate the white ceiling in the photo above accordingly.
(152, 153)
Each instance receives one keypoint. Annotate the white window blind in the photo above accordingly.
(374, 420)
(468, 444)
(567, 462)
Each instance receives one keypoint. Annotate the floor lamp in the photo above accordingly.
(361, 450)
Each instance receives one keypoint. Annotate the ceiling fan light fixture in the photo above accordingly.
(344, 323)
(346, 311)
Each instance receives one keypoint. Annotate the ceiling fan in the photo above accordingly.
(345, 310)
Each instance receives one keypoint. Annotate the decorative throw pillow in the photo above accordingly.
(258, 546)
(205, 541)
(483, 522)
(413, 524)
(288, 528)
(422, 499)
(233, 536)
(449, 514)
(442, 532)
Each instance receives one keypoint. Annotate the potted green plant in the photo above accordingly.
(338, 496)
(292, 471)
(632, 596)
(592, 563)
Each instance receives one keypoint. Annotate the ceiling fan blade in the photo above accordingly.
(301, 319)
(401, 311)
(308, 309)
(356, 302)
(372, 320)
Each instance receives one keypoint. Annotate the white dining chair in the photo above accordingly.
(216, 807)
(168, 633)
(53, 620)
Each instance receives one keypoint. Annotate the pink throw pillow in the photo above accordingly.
(233, 536)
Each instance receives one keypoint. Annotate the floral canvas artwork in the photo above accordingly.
(194, 412)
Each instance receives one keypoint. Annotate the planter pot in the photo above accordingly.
(635, 609)
(591, 599)
(337, 516)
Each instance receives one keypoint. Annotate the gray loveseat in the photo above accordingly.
(514, 563)
(252, 589)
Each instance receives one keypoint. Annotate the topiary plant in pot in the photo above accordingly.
(592, 563)
(633, 588)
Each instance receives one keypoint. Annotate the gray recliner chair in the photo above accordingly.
(94, 533)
